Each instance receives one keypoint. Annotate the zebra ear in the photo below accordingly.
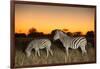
(60, 32)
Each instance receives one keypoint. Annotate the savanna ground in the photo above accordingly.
(59, 56)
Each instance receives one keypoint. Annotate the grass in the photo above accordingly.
(59, 56)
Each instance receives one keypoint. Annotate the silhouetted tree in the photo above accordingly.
(90, 36)
(33, 33)
(65, 30)
(32, 30)
(77, 34)
(70, 34)
(20, 35)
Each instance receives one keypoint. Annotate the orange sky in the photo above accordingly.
(47, 18)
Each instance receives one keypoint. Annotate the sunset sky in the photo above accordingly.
(47, 18)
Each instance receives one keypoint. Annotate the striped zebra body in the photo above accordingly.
(71, 42)
(38, 44)
(75, 42)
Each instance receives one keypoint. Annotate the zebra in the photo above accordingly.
(71, 42)
(37, 44)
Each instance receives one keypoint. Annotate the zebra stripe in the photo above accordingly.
(79, 40)
(74, 42)
(43, 42)
(82, 40)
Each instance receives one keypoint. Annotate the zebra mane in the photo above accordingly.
(63, 33)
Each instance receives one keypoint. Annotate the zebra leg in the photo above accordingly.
(38, 52)
(47, 51)
(84, 53)
(67, 51)
(67, 57)
(51, 52)
(83, 50)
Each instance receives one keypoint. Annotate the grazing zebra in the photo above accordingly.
(71, 42)
(39, 44)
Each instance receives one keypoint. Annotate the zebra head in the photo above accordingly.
(56, 36)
